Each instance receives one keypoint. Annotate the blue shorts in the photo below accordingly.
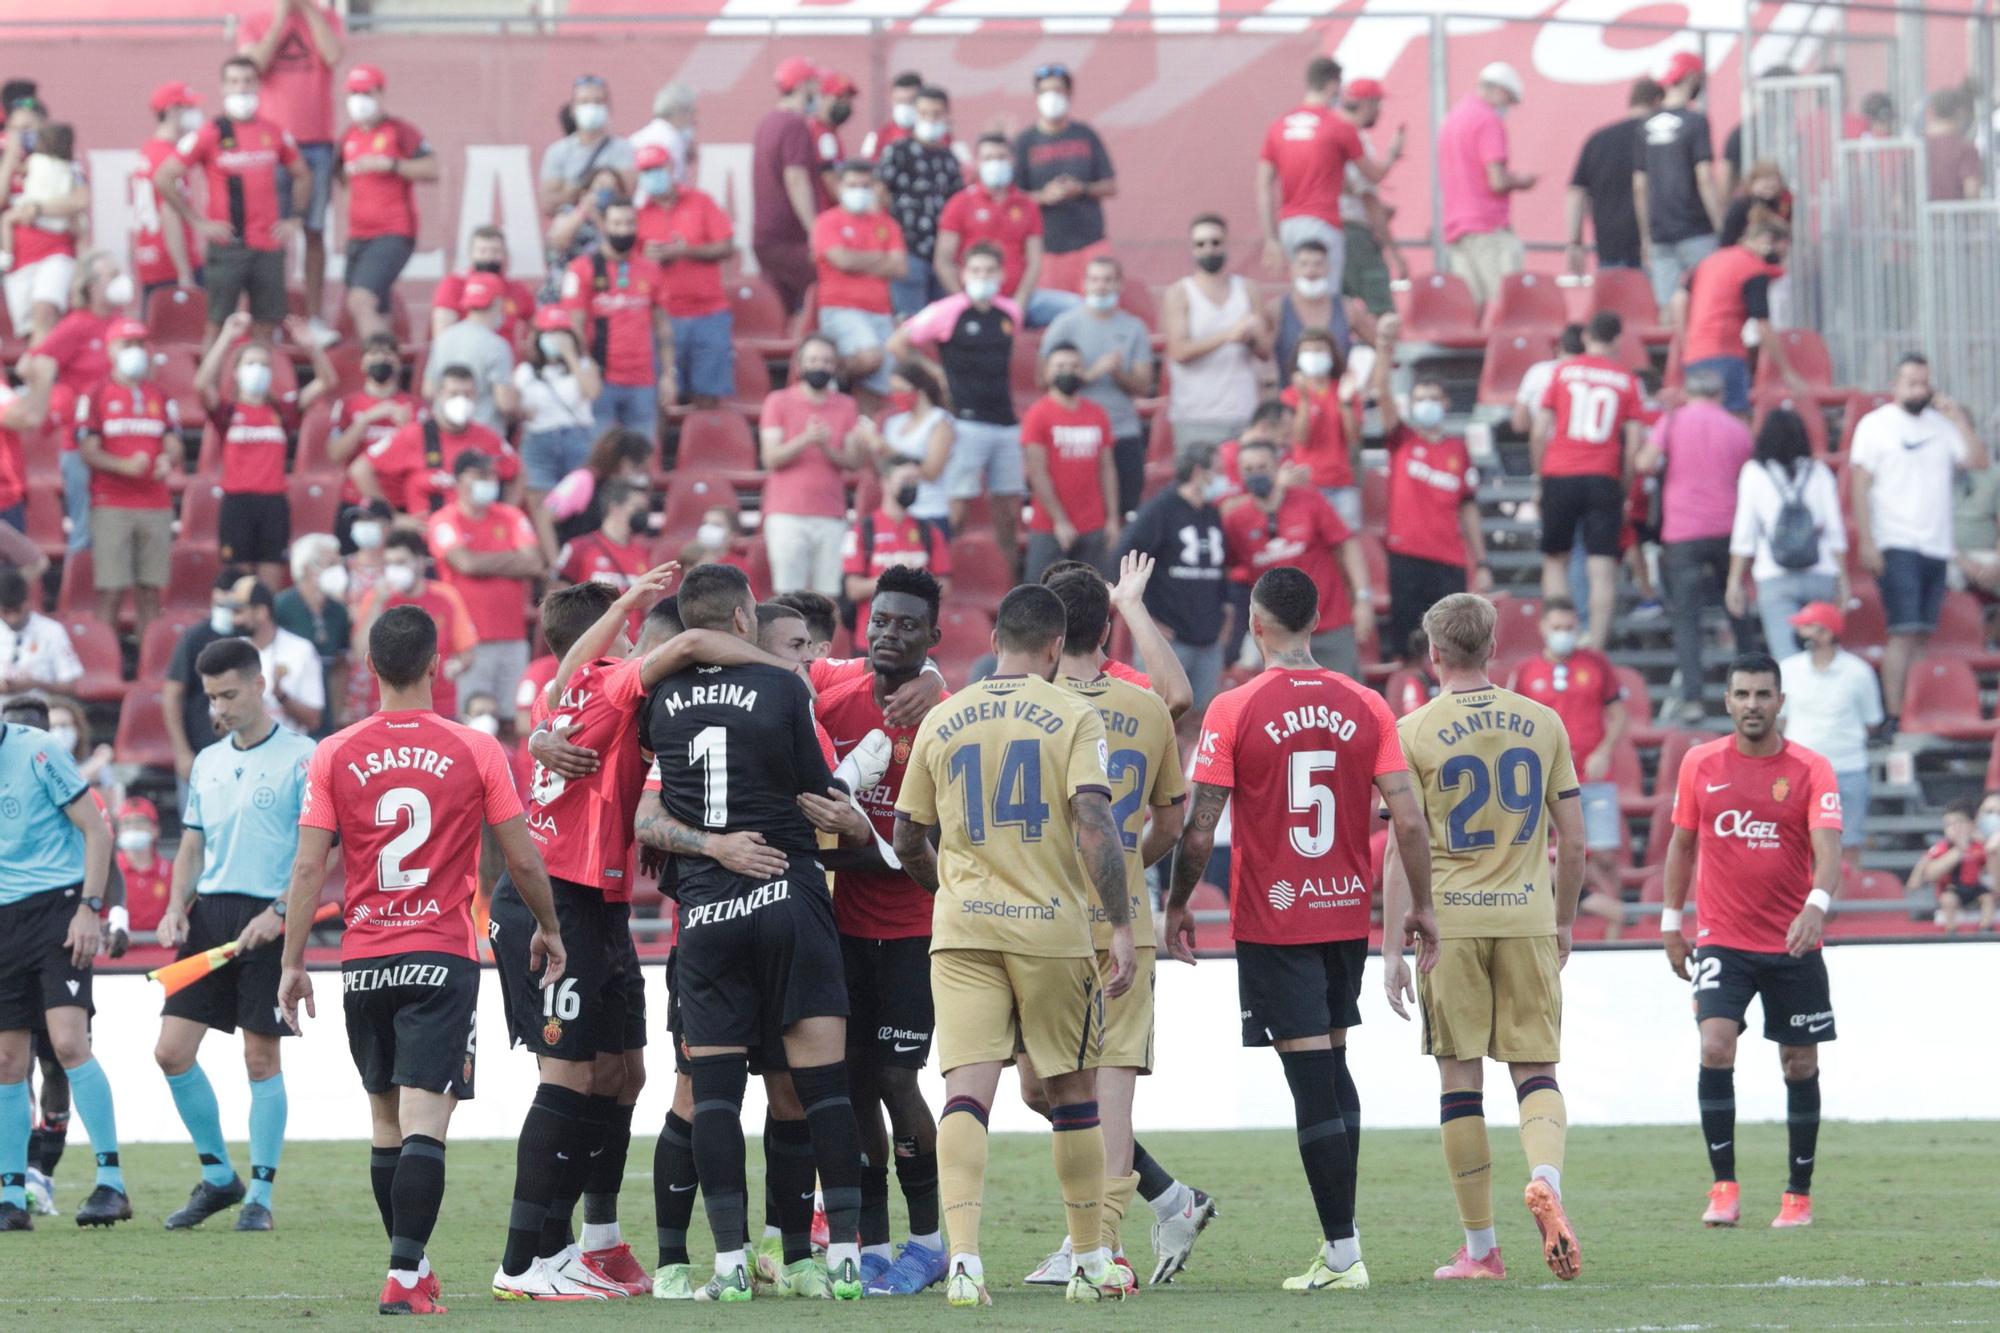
(319, 159)
(547, 456)
(1600, 816)
(855, 331)
(1734, 371)
(1853, 807)
(704, 356)
(1913, 588)
(985, 460)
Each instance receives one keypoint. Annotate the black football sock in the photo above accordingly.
(673, 1189)
(605, 1175)
(1349, 1098)
(1802, 1127)
(1322, 1140)
(1154, 1179)
(382, 1179)
(917, 1173)
(418, 1192)
(874, 1205)
(717, 1136)
(46, 1144)
(552, 1129)
(1715, 1091)
(836, 1148)
(572, 1169)
(788, 1184)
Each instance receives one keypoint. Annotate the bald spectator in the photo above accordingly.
(784, 160)
(1479, 182)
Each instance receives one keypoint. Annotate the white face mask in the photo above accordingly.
(133, 363)
(399, 578)
(903, 115)
(485, 490)
(485, 722)
(253, 380)
(1317, 365)
(996, 173)
(1102, 300)
(1311, 288)
(119, 291)
(857, 199)
(551, 345)
(64, 737)
(1427, 414)
(1561, 642)
(1052, 104)
(240, 106)
(366, 534)
(333, 582)
(134, 840)
(591, 115)
(191, 120)
(222, 620)
(456, 411)
(981, 290)
(714, 536)
(930, 131)
(363, 108)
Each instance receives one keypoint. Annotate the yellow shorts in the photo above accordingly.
(1495, 999)
(990, 1004)
(1128, 1019)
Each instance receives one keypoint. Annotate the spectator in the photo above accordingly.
(148, 875)
(1364, 216)
(70, 362)
(1732, 147)
(573, 161)
(1478, 183)
(487, 251)
(1951, 161)
(921, 434)
(974, 356)
(1581, 686)
(577, 502)
(183, 704)
(405, 557)
(1072, 473)
(259, 189)
(1062, 163)
(891, 536)
(1326, 422)
(618, 301)
(783, 163)
(718, 541)
(48, 178)
(414, 468)
(1831, 701)
(1878, 116)
(1535, 379)
(23, 412)
(1214, 338)
(689, 237)
(314, 608)
(474, 344)
(1435, 543)
(1303, 168)
(293, 50)
(833, 108)
(1764, 188)
(1901, 466)
(165, 252)
(1181, 529)
(1793, 561)
(1270, 424)
(1117, 354)
(999, 213)
(672, 128)
(903, 90)
(1698, 452)
(1309, 303)
(1601, 185)
(1975, 531)
(1728, 289)
(557, 384)
(381, 159)
(128, 435)
(1955, 868)
(487, 553)
(369, 415)
(618, 551)
(34, 649)
(254, 525)
(294, 682)
(921, 174)
(1676, 185)
(579, 229)
(1285, 521)
(42, 268)
(69, 727)
(811, 436)
(858, 252)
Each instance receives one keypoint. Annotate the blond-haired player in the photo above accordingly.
(1496, 772)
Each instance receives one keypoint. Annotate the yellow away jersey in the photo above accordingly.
(994, 769)
(1145, 770)
(1491, 765)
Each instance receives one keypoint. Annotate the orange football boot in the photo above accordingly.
(1559, 1246)
(1725, 1208)
(1795, 1211)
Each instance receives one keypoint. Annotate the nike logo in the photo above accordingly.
(562, 1157)
(912, 1046)
(1802, 1161)
(1914, 444)
(807, 1195)
(679, 1189)
(1717, 786)
(1718, 1147)
(1819, 1027)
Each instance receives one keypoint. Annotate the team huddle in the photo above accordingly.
(864, 866)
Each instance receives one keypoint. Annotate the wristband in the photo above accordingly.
(1670, 919)
(119, 920)
(1821, 899)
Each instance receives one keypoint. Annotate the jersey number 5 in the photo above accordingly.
(389, 812)
(1310, 798)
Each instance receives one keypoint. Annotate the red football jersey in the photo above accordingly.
(1131, 675)
(1755, 815)
(147, 891)
(254, 440)
(352, 405)
(1305, 534)
(517, 296)
(395, 787)
(1579, 689)
(129, 421)
(1592, 400)
(584, 825)
(826, 672)
(886, 904)
(622, 305)
(1309, 147)
(1074, 440)
(381, 203)
(150, 261)
(1430, 482)
(1299, 865)
(248, 161)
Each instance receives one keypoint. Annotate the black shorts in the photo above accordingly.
(601, 999)
(412, 1021)
(254, 529)
(1415, 586)
(233, 271)
(243, 994)
(1288, 991)
(374, 264)
(1586, 509)
(1798, 1003)
(756, 956)
(35, 971)
(889, 1010)
(676, 1033)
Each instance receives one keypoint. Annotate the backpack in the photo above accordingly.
(1795, 532)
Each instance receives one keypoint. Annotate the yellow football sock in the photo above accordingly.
(1544, 1122)
(961, 1154)
(1078, 1147)
(1462, 1115)
(1118, 1192)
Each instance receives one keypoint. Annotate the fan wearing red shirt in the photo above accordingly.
(1757, 836)
(397, 788)
(1072, 471)
(405, 557)
(892, 537)
(488, 553)
(619, 303)
(858, 250)
(1308, 750)
(1302, 168)
(836, 108)
(381, 159)
(688, 235)
(618, 552)
(413, 468)
(1729, 289)
(128, 434)
(369, 415)
(486, 252)
(149, 877)
(165, 253)
(1001, 214)
(1956, 867)
(1326, 422)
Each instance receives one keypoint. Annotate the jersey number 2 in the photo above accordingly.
(389, 812)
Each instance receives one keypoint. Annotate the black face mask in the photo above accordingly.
(1067, 383)
(906, 496)
(1210, 261)
(487, 266)
(1915, 406)
(838, 113)
(1260, 485)
(818, 379)
(1773, 257)
(381, 371)
(621, 244)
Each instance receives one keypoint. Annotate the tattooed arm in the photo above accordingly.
(913, 848)
(1197, 843)
(745, 852)
(1103, 854)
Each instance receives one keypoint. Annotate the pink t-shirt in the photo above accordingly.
(809, 486)
(297, 89)
(1706, 447)
(1473, 136)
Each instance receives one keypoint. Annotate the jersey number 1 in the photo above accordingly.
(710, 749)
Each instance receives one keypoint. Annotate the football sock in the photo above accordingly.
(836, 1151)
(788, 1184)
(605, 1176)
(874, 1205)
(1154, 1180)
(962, 1172)
(1544, 1124)
(673, 1189)
(572, 1168)
(418, 1191)
(194, 1098)
(268, 1110)
(90, 1091)
(1462, 1123)
(917, 1173)
(1322, 1140)
(1349, 1098)
(1118, 1192)
(1802, 1127)
(717, 1136)
(1715, 1090)
(17, 1121)
(553, 1125)
(382, 1178)
(1078, 1144)
(45, 1145)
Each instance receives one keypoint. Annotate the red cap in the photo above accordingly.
(1364, 90)
(652, 155)
(173, 94)
(479, 291)
(366, 79)
(795, 71)
(835, 84)
(126, 330)
(138, 807)
(1684, 65)
(1823, 614)
(553, 319)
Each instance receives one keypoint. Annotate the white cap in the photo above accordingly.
(1502, 75)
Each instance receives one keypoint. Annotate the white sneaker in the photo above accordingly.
(1056, 1269)
(1173, 1239)
(321, 333)
(574, 1265)
(41, 1194)
(538, 1283)
(867, 762)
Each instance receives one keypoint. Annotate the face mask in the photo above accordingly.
(118, 291)
(996, 173)
(818, 379)
(487, 266)
(857, 199)
(191, 120)
(1053, 105)
(981, 290)
(1067, 383)
(381, 372)
(657, 181)
(333, 582)
(1217, 487)
(1561, 642)
(1316, 365)
(1774, 256)
(222, 620)
(1102, 301)
(64, 737)
(366, 534)
(1916, 406)
(253, 380)
(1211, 261)
(591, 115)
(551, 345)
(485, 722)
(838, 113)
(929, 131)
(903, 115)
(485, 490)
(240, 106)
(134, 840)
(361, 107)
(1427, 414)
(399, 578)
(456, 411)
(1260, 484)
(1311, 288)
(713, 536)
(621, 244)
(133, 363)
(906, 496)
(1989, 825)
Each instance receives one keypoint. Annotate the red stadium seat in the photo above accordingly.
(1136, 298)
(1764, 401)
(719, 440)
(178, 315)
(1867, 628)
(691, 492)
(1630, 352)
(1806, 354)
(156, 650)
(759, 324)
(173, 371)
(96, 647)
(1639, 723)
(1527, 301)
(1375, 499)
(1858, 405)
(191, 578)
(1674, 747)
(1508, 356)
(979, 570)
(753, 386)
(45, 519)
(315, 433)
(1519, 632)
(1941, 698)
(1660, 827)
(315, 502)
(76, 594)
(1961, 632)
(142, 732)
(1872, 886)
(201, 506)
(1376, 558)
(966, 635)
(1441, 310)
(1629, 777)
(1160, 441)
(1628, 293)
(1407, 691)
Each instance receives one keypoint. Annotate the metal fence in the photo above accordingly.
(1960, 279)
(1795, 122)
(1875, 289)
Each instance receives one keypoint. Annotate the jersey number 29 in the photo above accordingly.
(1516, 778)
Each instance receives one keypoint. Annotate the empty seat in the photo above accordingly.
(1639, 723)
(1407, 691)
(1628, 293)
(719, 440)
(759, 323)
(178, 315)
(979, 569)
(1508, 356)
(1519, 632)
(691, 493)
(142, 732)
(201, 507)
(191, 578)
(753, 386)
(1857, 406)
(315, 433)
(1441, 310)
(96, 646)
(315, 501)
(965, 634)
(1805, 353)
(1941, 698)
(156, 649)
(1527, 301)
(1961, 631)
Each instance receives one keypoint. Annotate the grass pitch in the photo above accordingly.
(1903, 1239)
